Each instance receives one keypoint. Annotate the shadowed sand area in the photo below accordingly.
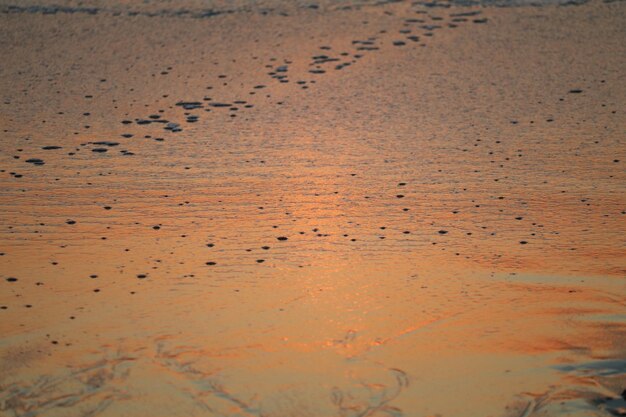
(339, 208)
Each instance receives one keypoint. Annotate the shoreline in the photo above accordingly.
(393, 210)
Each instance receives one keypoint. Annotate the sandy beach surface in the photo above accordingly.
(312, 208)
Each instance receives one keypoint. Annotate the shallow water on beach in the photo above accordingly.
(272, 209)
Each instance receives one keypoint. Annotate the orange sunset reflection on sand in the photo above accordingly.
(336, 209)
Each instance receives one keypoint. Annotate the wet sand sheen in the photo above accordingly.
(377, 210)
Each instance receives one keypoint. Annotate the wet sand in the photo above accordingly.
(285, 209)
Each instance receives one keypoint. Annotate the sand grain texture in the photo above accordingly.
(272, 209)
